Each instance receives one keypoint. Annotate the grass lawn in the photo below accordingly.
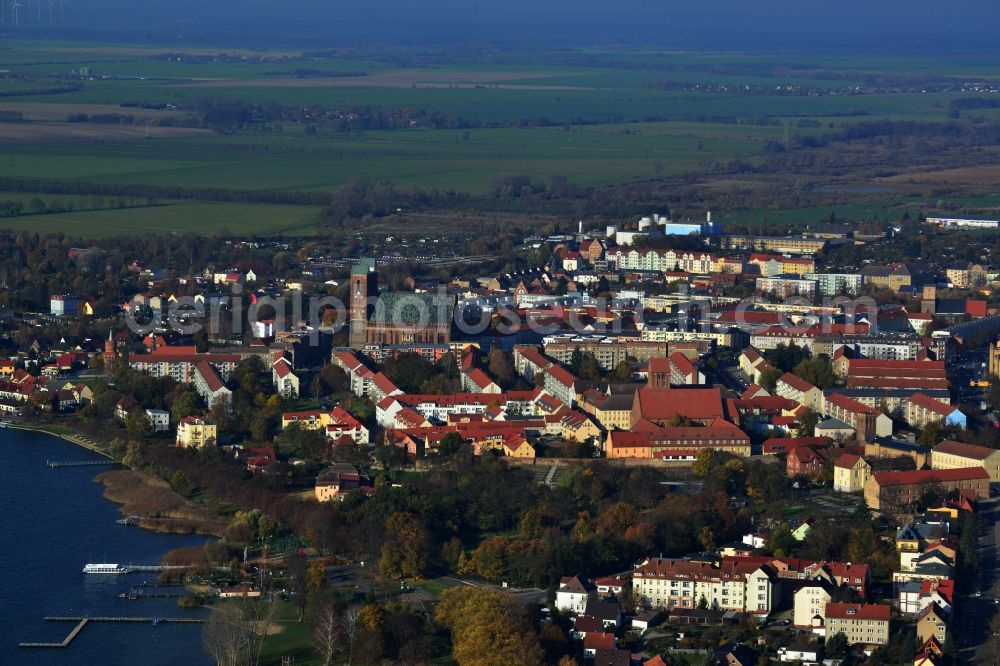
(291, 639)
(187, 217)
(432, 586)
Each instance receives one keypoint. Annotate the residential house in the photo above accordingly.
(850, 473)
(284, 379)
(210, 386)
(334, 482)
(807, 461)
(932, 623)
(573, 594)
(867, 624)
(195, 432)
(921, 410)
(795, 388)
(742, 586)
(809, 603)
(159, 420)
(342, 423)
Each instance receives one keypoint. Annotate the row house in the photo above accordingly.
(668, 442)
(210, 386)
(865, 624)
(866, 421)
(358, 373)
(728, 586)
(795, 388)
(785, 286)
(477, 381)
(771, 264)
(921, 410)
(839, 574)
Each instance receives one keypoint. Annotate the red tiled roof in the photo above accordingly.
(210, 376)
(599, 642)
(384, 384)
(662, 403)
(963, 450)
(561, 375)
(847, 461)
(932, 405)
(929, 476)
(659, 364)
(796, 382)
(777, 444)
(849, 404)
(897, 383)
(349, 360)
(343, 418)
(858, 611)
(883, 366)
(683, 365)
(479, 378)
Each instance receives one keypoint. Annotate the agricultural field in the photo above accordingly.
(596, 118)
(197, 218)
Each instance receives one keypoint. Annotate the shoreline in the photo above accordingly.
(156, 524)
(71, 437)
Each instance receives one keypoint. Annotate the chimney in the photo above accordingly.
(708, 218)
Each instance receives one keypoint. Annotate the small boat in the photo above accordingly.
(129, 521)
(105, 569)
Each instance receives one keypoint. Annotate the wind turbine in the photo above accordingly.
(3, 12)
(15, 6)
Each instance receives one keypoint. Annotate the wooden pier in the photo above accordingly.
(84, 621)
(65, 642)
(78, 463)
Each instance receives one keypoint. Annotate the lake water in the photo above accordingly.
(52, 522)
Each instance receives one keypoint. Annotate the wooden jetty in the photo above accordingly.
(78, 463)
(65, 642)
(83, 621)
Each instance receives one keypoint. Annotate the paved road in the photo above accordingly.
(976, 612)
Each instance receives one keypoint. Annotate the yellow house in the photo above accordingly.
(516, 446)
(196, 432)
(578, 427)
(850, 473)
(310, 420)
(931, 623)
(7, 368)
(615, 413)
(950, 454)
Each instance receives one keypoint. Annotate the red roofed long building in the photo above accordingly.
(858, 415)
(898, 491)
(664, 442)
(660, 405)
(891, 374)
(741, 586)
(867, 624)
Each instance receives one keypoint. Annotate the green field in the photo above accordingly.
(172, 218)
(603, 121)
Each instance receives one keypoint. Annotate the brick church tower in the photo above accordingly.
(364, 285)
